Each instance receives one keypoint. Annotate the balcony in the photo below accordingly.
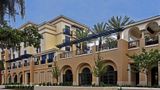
(20, 65)
(81, 52)
(133, 44)
(9, 67)
(151, 40)
(65, 54)
(107, 46)
(14, 67)
(26, 64)
(36, 63)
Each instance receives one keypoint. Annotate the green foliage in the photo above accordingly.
(55, 71)
(117, 22)
(11, 8)
(99, 68)
(98, 28)
(111, 42)
(12, 38)
(81, 34)
(146, 60)
(1, 65)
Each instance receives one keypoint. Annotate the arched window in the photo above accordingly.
(85, 77)
(110, 76)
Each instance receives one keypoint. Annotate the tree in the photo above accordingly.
(81, 34)
(145, 61)
(111, 42)
(117, 22)
(55, 71)
(99, 68)
(11, 8)
(98, 28)
(12, 38)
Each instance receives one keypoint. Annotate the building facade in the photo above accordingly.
(76, 66)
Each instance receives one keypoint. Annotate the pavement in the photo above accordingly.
(2, 87)
(139, 88)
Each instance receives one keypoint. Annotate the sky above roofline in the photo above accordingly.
(88, 12)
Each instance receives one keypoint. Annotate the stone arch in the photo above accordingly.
(67, 75)
(84, 72)
(135, 33)
(65, 67)
(152, 28)
(110, 62)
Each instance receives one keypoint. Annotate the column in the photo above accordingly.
(159, 73)
(31, 70)
(129, 74)
(142, 78)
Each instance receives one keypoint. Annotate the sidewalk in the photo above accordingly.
(139, 88)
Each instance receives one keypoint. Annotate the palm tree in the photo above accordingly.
(98, 28)
(117, 22)
(9, 7)
(99, 68)
(81, 34)
(55, 71)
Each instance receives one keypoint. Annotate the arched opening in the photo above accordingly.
(85, 77)
(152, 28)
(21, 79)
(9, 79)
(110, 76)
(154, 76)
(68, 77)
(15, 79)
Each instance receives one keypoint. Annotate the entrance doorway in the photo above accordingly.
(68, 77)
(154, 76)
(110, 77)
(85, 77)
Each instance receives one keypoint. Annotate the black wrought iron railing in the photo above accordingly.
(133, 44)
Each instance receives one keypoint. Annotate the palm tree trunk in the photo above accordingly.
(100, 44)
(118, 35)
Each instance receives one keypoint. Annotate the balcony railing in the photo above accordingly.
(20, 65)
(81, 52)
(26, 64)
(36, 63)
(8, 67)
(151, 40)
(65, 54)
(133, 44)
(14, 67)
(107, 46)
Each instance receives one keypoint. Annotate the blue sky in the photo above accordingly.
(88, 12)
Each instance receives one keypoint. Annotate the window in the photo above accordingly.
(50, 57)
(67, 48)
(25, 51)
(67, 30)
(43, 61)
(38, 50)
(13, 56)
(67, 39)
